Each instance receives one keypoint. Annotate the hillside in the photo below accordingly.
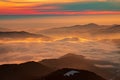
(72, 74)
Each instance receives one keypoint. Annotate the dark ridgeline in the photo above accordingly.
(88, 31)
(88, 28)
(72, 74)
(112, 29)
(21, 35)
(80, 62)
(36, 70)
(54, 69)
(24, 71)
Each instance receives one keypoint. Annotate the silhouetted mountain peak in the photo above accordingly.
(30, 63)
(24, 32)
(72, 55)
(76, 25)
(69, 61)
(91, 24)
(33, 66)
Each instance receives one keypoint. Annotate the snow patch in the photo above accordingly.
(71, 73)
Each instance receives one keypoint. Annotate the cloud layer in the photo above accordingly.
(22, 52)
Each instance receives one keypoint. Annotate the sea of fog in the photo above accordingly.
(23, 52)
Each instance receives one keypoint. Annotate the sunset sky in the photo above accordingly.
(32, 13)
(59, 7)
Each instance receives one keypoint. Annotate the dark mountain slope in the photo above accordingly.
(89, 31)
(72, 74)
(21, 35)
(80, 62)
(24, 71)
(76, 30)
(70, 60)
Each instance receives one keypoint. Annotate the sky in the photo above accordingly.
(54, 13)
(59, 7)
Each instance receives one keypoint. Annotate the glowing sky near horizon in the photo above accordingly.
(55, 12)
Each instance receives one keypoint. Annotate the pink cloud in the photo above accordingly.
(35, 12)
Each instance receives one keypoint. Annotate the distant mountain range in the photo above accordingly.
(73, 33)
(21, 35)
(92, 31)
(113, 29)
(59, 69)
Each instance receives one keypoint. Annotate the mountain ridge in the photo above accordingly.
(92, 31)
(35, 70)
(21, 35)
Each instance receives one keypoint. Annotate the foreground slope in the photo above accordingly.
(80, 62)
(24, 71)
(72, 74)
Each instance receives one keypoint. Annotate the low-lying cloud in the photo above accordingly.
(23, 52)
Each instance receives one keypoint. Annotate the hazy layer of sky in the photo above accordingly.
(42, 14)
(36, 23)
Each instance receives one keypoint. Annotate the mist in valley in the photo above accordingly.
(91, 47)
